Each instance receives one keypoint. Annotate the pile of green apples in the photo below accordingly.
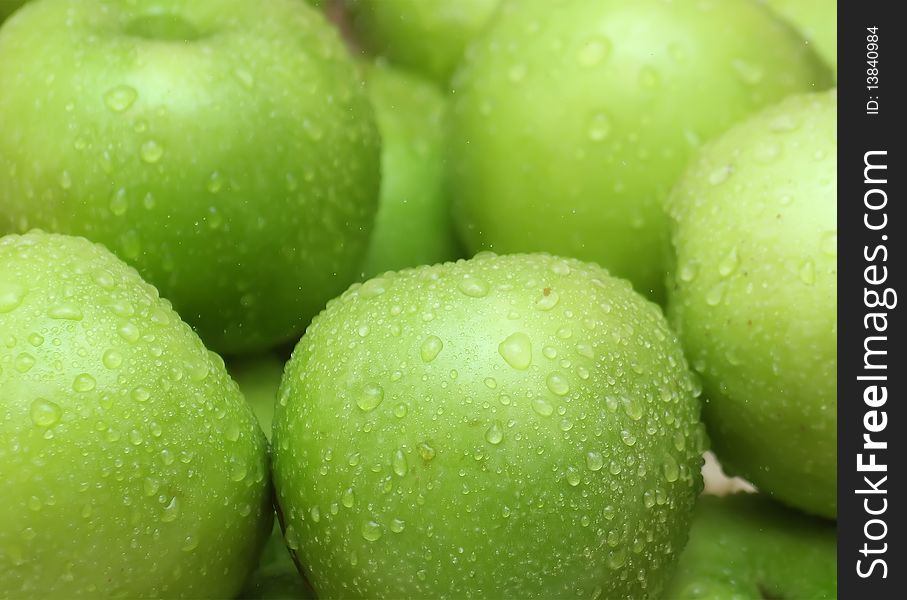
(532, 259)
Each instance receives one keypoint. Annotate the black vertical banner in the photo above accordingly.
(871, 267)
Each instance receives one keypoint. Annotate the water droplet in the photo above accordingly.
(83, 383)
(425, 451)
(215, 182)
(473, 287)
(171, 511)
(729, 263)
(112, 359)
(494, 434)
(348, 498)
(371, 531)
(24, 362)
(548, 300)
(516, 350)
(151, 151)
(373, 287)
(45, 413)
(573, 477)
(628, 438)
(120, 98)
(542, 407)
(720, 175)
(129, 332)
(135, 437)
(430, 349)
(151, 486)
(397, 525)
(65, 180)
(808, 272)
(714, 296)
(561, 268)
(118, 202)
(688, 271)
(398, 462)
(594, 461)
(140, 394)
(599, 127)
(11, 296)
(558, 384)
(315, 514)
(617, 558)
(370, 396)
(35, 339)
(632, 407)
(671, 470)
(67, 312)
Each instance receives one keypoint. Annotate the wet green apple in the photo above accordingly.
(517, 426)
(426, 36)
(754, 296)
(748, 547)
(571, 120)
(817, 20)
(225, 149)
(413, 225)
(131, 465)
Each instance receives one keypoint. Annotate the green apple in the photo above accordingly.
(259, 378)
(518, 426)
(8, 7)
(226, 149)
(818, 22)
(427, 36)
(413, 225)
(131, 465)
(747, 547)
(754, 296)
(571, 120)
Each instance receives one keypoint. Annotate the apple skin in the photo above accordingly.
(413, 225)
(521, 426)
(238, 172)
(748, 547)
(425, 36)
(572, 120)
(131, 465)
(754, 297)
(817, 20)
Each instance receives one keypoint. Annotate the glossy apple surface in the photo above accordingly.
(426, 36)
(131, 465)
(521, 426)
(413, 225)
(754, 297)
(746, 546)
(572, 120)
(224, 149)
